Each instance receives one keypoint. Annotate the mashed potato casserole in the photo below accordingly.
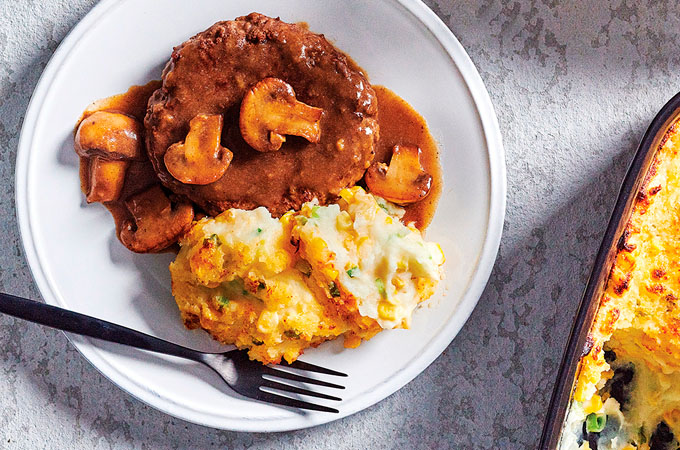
(278, 286)
(627, 394)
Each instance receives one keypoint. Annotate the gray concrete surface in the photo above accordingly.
(574, 86)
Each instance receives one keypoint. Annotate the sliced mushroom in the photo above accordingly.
(106, 180)
(111, 136)
(157, 224)
(270, 111)
(404, 181)
(200, 159)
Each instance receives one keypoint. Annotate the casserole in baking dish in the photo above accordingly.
(619, 386)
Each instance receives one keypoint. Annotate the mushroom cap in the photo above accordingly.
(110, 135)
(404, 181)
(157, 224)
(270, 110)
(199, 159)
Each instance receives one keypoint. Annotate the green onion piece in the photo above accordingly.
(235, 284)
(353, 271)
(222, 301)
(380, 284)
(213, 239)
(335, 292)
(315, 212)
(642, 439)
(259, 230)
(292, 334)
(304, 267)
(595, 422)
(384, 207)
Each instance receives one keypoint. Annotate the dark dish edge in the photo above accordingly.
(604, 259)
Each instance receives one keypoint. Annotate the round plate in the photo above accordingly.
(78, 263)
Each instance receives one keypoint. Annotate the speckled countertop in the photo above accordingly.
(574, 85)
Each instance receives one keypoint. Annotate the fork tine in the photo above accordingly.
(312, 368)
(296, 390)
(291, 376)
(291, 402)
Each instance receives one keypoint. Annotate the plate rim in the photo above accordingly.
(476, 284)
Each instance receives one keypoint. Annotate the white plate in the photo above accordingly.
(78, 263)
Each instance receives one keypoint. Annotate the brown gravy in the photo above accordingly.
(133, 102)
(140, 174)
(399, 124)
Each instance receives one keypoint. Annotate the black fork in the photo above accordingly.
(249, 378)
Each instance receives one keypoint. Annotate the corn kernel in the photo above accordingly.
(344, 220)
(346, 195)
(347, 243)
(286, 218)
(317, 246)
(388, 220)
(330, 272)
(579, 392)
(607, 374)
(398, 282)
(594, 405)
(401, 265)
(386, 311)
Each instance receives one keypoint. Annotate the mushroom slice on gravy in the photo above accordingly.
(270, 111)
(404, 181)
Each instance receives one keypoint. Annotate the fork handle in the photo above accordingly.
(65, 320)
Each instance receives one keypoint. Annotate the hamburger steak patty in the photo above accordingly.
(210, 74)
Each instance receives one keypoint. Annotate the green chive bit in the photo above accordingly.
(384, 207)
(353, 271)
(259, 230)
(380, 284)
(222, 301)
(595, 422)
(213, 239)
(335, 292)
(315, 212)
